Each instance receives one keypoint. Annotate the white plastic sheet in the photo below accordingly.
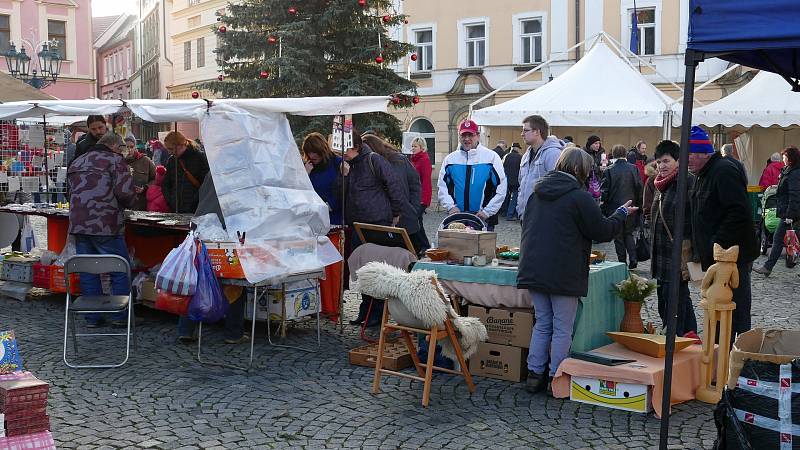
(264, 191)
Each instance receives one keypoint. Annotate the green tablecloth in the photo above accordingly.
(600, 311)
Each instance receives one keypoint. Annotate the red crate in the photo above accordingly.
(57, 282)
(41, 275)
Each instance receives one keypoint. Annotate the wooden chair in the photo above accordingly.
(407, 324)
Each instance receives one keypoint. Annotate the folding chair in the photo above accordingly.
(407, 323)
(86, 304)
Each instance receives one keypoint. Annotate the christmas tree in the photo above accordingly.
(310, 48)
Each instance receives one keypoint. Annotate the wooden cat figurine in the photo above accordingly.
(722, 277)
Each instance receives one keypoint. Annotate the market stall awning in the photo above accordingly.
(13, 90)
(600, 90)
(155, 110)
(765, 101)
(767, 40)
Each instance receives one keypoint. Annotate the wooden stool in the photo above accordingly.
(722, 313)
(424, 371)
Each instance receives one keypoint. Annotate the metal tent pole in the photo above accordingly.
(692, 59)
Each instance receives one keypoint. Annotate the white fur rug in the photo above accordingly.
(419, 291)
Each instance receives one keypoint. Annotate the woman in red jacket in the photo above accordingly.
(422, 163)
(772, 172)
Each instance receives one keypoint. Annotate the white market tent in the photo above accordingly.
(600, 90)
(188, 110)
(765, 101)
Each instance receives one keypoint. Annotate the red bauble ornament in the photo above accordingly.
(387, 18)
(413, 56)
(415, 99)
(379, 59)
(405, 21)
(195, 94)
(362, 3)
(220, 77)
(222, 29)
(292, 10)
(272, 39)
(395, 100)
(264, 74)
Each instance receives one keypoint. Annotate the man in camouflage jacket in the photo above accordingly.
(101, 187)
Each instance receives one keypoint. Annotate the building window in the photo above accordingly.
(531, 40)
(187, 55)
(193, 22)
(130, 61)
(425, 128)
(107, 73)
(57, 31)
(201, 52)
(476, 45)
(424, 42)
(5, 33)
(646, 19)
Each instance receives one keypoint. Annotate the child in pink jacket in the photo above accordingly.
(155, 196)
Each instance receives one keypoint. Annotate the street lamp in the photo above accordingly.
(49, 61)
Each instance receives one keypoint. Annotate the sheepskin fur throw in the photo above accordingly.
(420, 292)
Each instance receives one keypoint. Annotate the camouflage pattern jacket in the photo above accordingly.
(101, 188)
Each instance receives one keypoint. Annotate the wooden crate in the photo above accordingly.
(395, 356)
(467, 243)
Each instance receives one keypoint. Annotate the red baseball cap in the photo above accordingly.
(468, 126)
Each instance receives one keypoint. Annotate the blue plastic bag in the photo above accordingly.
(207, 304)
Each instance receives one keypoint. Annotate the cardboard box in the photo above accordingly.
(611, 394)
(148, 293)
(773, 346)
(506, 326)
(224, 259)
(467, 243)
(302, 299)
(17, 268)
(504, 362)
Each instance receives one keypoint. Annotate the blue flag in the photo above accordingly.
(634, 31)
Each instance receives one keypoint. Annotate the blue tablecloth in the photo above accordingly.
(600, 311)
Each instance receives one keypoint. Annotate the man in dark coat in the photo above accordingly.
(727, 153)
(97, 128)
(511, 164)
(500, 149)
(621, 182)
(721, 214)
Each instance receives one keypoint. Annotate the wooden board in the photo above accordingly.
(395, 356)
(648, 344)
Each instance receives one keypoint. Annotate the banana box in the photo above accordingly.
(611, 394)
(302, 299)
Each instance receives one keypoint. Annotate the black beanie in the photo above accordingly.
(592, 139)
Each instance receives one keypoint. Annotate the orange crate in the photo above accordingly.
(57, 283)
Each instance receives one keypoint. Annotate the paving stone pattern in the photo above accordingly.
(163, 399)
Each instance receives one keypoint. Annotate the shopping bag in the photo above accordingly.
(207, 304)
(28, 239)
(178, 274)
(792, 245)
(642, 246)
(171, 303)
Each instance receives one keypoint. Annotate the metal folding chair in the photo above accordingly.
(87, 304)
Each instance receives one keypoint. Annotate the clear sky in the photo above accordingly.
(113, 7)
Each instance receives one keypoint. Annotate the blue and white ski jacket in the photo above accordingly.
(472, 180)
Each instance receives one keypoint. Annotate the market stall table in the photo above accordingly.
(600, 311)
(263, 287)
(646, 370)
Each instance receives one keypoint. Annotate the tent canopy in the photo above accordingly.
(190, 110)
(600, 90)
(754, 33)
(765, 101)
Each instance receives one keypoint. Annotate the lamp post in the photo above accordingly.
(48, 59)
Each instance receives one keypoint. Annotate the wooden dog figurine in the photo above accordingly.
(717, 295)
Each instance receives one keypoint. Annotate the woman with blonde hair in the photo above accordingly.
(187, 167)
(561, 220)
(323, 170)
(422, 164)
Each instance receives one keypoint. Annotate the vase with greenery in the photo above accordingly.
(633, 291)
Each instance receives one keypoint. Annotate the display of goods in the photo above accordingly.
(18, 267)
(437, 254)
(509, 255)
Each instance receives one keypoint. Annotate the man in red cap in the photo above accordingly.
(472, 178)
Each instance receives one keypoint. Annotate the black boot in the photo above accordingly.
(362, 310)
(375, 314)
(536, 382)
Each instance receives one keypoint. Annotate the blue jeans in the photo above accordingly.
(233, 320)
(90, 283)
(552, 334)
(511, 212)
(777, 245)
